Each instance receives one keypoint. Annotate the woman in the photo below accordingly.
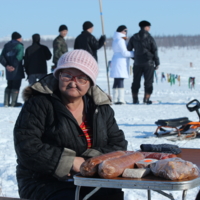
(120, 64)
(66, 119)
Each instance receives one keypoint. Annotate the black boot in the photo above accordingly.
(135, 98)
(7, 97)
(135, 101)
(14, 94)
(146, 99)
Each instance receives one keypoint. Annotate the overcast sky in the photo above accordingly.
(168, 17)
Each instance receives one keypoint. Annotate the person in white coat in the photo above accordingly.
(120, 64)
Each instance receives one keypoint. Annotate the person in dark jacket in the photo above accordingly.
(60, 112)
(35, 59)
(12, 55)
(59, 44)
(198, 196)
(87, 41)
(145, 61)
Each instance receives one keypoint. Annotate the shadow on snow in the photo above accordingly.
(1, 105)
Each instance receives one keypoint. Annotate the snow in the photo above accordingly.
(137, 121)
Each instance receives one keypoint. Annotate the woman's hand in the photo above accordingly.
(156, 68)
(10, 68)
(77, 163)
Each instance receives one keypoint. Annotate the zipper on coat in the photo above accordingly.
(95, 127)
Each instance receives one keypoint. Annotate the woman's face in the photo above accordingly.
(73, 83)
(124, 32)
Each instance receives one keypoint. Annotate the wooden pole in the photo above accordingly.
(102, 24)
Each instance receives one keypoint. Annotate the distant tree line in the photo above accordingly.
(178, 41)
(162, 41)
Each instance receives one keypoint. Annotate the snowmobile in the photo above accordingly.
(182, 127)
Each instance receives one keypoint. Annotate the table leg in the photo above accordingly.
(77, 192)
(91, 193)
(184, 194)
(170, 196)
(149, 194)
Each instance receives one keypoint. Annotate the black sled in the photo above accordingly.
(182, 127)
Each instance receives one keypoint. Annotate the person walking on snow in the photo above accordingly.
(59, 44)
(12, 54)
(35, 59)
(87, 41)
(120, 64)
(146, 60)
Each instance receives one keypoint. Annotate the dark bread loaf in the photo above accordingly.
(115, 167)
(90, 166)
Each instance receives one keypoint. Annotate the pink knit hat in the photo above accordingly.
(78, 59)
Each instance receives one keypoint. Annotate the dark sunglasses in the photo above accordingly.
(125, 31)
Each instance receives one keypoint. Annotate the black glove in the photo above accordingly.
(103, 37)
(165, 148)
(156, 67)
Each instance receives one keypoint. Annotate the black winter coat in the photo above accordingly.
(47, 137)
(145, 49)
(35, 59)
(88, 42)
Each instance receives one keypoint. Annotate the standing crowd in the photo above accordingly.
(36, 57)
(141, 48)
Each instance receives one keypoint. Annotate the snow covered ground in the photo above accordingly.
(137, 121)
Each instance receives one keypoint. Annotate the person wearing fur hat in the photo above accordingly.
(146, 60)
(59, 44)
(12, 55)
(65, 120)
(87, 41)
(120, 64)
(35, 60)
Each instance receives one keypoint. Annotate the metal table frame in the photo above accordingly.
(156, 186)
(148, 183)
